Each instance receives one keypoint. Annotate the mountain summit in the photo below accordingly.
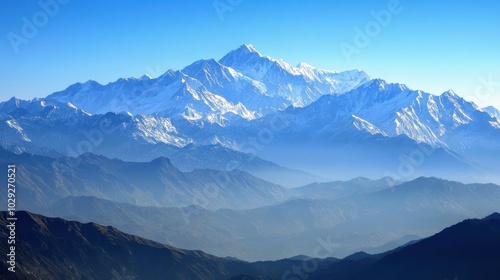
(243, 84)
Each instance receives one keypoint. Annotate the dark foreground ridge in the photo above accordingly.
(53, 248)
(467, 250)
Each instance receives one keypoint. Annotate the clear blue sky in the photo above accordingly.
(429, 45)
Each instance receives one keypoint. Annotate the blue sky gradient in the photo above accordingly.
(429, 45)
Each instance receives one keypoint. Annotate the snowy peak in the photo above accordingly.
(492, 111)
(379, 91)
(210, 72)
(392, 109)
(249, 47)
(243, 84)
(450, 94)
(253, 64)
(456, 110)
(145, 77)
(11, 104)
(90, 84)
(203, 64)
(40, 108)
(305, 66)
(241, 56)
(299, 85)
(307, 69)
(246, 49)
(248, 62)
(379, 85)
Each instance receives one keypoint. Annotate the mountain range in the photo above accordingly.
(375, 221)
(239, 214)
(92, 251)
(249, 158)
(243, 84)
(156, 183)
(467, 250)
(340, 125)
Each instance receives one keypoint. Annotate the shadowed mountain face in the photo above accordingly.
(53, 248)
(467, 250)
(57, 249)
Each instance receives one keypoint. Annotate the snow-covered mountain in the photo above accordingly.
(494, 112)
(243, 84)
(336, 123)
(378, 126)
(299, 85)
(49, 123)
(57, 129)
(378, 107)
(173, 94)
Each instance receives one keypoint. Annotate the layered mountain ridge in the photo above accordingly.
(249, 156)
(466, 250)
(239, 214)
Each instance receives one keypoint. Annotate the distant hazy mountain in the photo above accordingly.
(467, 250)
(44, 180)
(372, 218)
(343, 189)
(218, 157)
